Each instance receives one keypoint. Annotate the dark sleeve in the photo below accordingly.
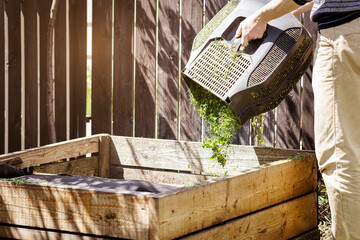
(301, 2)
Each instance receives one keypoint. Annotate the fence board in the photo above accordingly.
(190, 121)
(77, 31)
(2, 79)
(288, 120)
(101, 68)
(268, 134)
(123, 67)
(31, 75)
(145, 69)
(44, 14)
(168, 85)
(60, 72)
(14, 63)
(308, 95)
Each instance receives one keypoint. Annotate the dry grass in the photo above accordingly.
(324, 212)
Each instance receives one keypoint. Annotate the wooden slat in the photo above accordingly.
(101, 67)
(269, 129)
(55, 152)
(244, 133)
(104, 157)
(123, 67)
(191, 24)
(60, 72)
(282, 221)
(288, 121)
(77, 167)
(14, 65)
(77, 35)
(21, 232)
(75, 210)
(307, 99)
(31, 74)
(2, 79)
(228, 198)
(145, 68)
(189, 156)
(168, 86)
(44, 14)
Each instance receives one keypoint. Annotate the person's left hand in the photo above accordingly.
(249, 29)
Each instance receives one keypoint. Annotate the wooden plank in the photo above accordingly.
(212, 8)
(191, 24)
(244, 133)
(269, 129)
(2, 79)
(77, 35)
(121, 215)
(165, 177)
(14, 65)
(227, 198)
(313, 234)
(288, 121)
(55, 152)
(104, 157)
(76, 167)
(145, 68)
(189, 156)
(60, 72)
(21, 232)
(123, 67)
(282, 221)
(307, 99)
(31, 74)
(44, 15)
(168, 83)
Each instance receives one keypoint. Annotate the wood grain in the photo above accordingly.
(60, 72)
(282, 221)
(104, 157)
(145, 68)
(31, 74)
(78, 75)
(189, 156)
(168, 70)
(55, 152)
(2, 79)
(14, 65)
(123, 67)
(235, 196)
(191, 24)
(101, 67)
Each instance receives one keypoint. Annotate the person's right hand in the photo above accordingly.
(249, 29)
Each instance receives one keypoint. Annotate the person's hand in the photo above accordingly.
(249, 29)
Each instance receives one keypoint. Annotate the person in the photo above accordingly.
(336, 85)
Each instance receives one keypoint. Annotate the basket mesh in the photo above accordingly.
(218, 68)
(277, 53)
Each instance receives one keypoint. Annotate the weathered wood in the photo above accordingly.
(189, 156)
(61, 208)
(78, 75)
(55, 152)
(168, 70)
(2, 79)
(14, 65)
(60, 72)
(282, 221)
(313, 234)
(104, 157)
(31, 74)
(228, 198)
(44, 15)
(288, 121)
(145, 68)
(191, 24)
(307, 99)
(269, 130)
(21, 232)
(77, 167)
(123, 67)
(101, 66)
(11, 160)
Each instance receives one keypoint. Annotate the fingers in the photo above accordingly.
(238, 31)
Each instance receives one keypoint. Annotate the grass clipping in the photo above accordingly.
(223, 122)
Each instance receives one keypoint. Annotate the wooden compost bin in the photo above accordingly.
(262, 196)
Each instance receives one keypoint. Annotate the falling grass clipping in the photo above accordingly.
(221, 118)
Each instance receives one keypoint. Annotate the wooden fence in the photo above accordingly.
(138, 50)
